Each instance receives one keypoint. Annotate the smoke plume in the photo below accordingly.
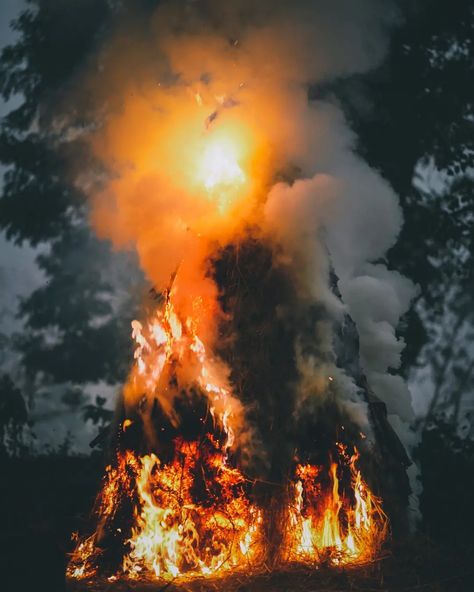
(211, 140)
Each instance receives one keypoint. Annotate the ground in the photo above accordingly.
(43, 500)
(415, 566)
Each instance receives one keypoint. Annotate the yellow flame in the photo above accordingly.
(332, 515)
(219, 166)
(327, 524)
(220, 172)
(173, 535)
(165, 338)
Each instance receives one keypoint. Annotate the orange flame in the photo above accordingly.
(175, 536)
(167, 344)
(191, 517)
(193, 163)
(329, 524)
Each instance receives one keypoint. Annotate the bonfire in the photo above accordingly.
(247, 437)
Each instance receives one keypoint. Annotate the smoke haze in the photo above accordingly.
(192, 80)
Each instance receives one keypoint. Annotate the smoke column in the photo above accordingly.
(210, 138)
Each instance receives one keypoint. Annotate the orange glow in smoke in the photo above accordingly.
(220, 167)
(221, 173)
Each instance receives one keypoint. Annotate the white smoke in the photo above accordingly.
(359, 217)
(340, 211)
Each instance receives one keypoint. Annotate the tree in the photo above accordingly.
(13, 417)
(416, 111)
(75, 328)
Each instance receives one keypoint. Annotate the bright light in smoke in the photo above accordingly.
(220, 167)
(220, 172)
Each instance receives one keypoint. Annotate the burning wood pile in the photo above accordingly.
(255, 428)
(187, 509)
(193, 517)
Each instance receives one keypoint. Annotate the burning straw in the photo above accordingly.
(190, 513)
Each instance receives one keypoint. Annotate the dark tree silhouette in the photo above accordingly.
(13, 417)
(415, 111)
(73, 328)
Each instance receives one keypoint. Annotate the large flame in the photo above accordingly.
(191, 513)
(328, 523)
(170, 356)
(191, 517)
(174, 535)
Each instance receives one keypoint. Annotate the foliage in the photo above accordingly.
(415, 113)
(72, 329)
(97, 412)
(13, 417)
(447, 476)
